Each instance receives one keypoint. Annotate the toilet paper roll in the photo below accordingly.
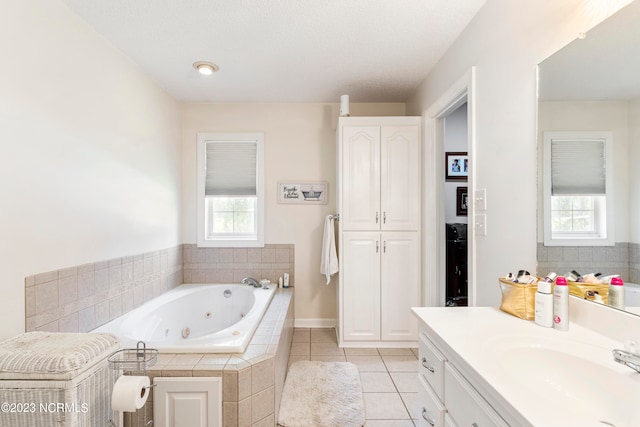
(130, 392)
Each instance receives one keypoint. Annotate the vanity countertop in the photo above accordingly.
(534, 375)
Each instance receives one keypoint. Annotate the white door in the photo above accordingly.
(400, 285)
(360, 178)
(400, 177)
(360, 273)
(187, 402)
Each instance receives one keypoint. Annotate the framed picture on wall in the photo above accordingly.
(456, 165)
(461, 201)
(303, 193)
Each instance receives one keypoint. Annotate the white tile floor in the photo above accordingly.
(388, 375)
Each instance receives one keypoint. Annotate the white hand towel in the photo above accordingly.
(329, 260)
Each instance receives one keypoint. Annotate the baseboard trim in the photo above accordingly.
(315, 323)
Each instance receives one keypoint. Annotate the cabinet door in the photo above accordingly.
(360, 272)
(466, 406)
(182, 401)
(360, 178)
(400, 285)
(400, 177)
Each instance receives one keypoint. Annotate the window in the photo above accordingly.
(230, 190)
(578, 196)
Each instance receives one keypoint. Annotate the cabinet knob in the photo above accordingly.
(426, 415)
(426, 365)
(384, 217)
(376, 217)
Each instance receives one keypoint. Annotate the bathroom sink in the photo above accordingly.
(570, 377)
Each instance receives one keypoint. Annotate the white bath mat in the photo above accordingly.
(322, 394)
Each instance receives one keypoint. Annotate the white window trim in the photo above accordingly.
(549, 240)
(202, 241)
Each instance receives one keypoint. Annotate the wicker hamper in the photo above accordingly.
(56, 379)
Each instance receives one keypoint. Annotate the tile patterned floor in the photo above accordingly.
(388, 375)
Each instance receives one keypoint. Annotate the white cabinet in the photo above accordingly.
(380, 272)
(399, 285)
(379, 238)
(464, 403)
(360, 269)
(380, 174)
(448, 398)
(187, 401)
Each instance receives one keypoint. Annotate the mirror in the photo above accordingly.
(593, 84)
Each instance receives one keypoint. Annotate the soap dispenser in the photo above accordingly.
(561, 304)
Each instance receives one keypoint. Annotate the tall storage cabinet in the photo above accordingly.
(379, 230)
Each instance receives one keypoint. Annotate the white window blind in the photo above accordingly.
(578, 167)
(230, 168)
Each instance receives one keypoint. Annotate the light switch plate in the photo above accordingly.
(480, 198)
(480, 225)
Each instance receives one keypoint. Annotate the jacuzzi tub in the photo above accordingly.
(195, 318)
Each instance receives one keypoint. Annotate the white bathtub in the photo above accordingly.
(195, 318)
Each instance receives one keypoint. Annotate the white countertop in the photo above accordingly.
(485, 345)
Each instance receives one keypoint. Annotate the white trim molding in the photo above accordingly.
(463, 90)
(315, 323)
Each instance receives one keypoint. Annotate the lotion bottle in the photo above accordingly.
(544, 302)
(561, 304)
(616, 293)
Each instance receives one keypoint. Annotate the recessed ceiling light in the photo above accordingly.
(206, 68)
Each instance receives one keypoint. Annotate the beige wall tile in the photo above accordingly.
(262, 376)
(244, 383)
(49, 327)
(244, 413)
(49, 276)
(67, 290)
(68, 323)
(230, 386)
(30, 301)
(265, 422)
(282, 256)
(230, 414)
(262, 404)
(46, 296)
(87, 319)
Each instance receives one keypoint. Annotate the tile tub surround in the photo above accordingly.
(231, 265)
(81, 298)
(252, 381)
(622, 259)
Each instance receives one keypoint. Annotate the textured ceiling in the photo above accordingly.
(283, 50)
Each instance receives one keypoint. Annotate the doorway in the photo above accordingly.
(456, 162)
(449, 135)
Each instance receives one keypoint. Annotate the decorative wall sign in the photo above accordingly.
(303, 193)
(461, 201)
(457, 166)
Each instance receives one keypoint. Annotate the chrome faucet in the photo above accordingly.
(251, 281)
(627, 359)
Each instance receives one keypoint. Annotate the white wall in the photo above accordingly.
(455, 140)
(505, 41)
(300, 144)
(634, 171)
(593, 116)
(90, 164)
